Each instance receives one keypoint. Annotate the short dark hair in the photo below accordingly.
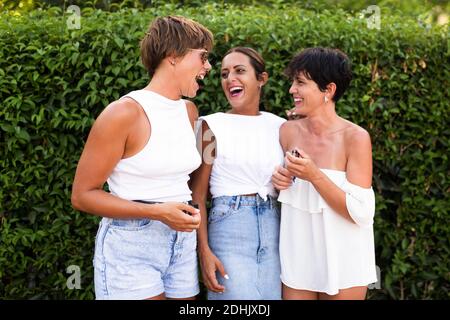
(323, 66)
(172, 35)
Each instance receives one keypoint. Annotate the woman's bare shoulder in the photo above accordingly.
(290, 131)
(120, 112)
(356, 136)
(291, 126)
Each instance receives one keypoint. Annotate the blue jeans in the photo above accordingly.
(243, 232)
(142, 258)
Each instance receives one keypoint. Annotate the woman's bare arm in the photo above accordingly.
(104, 148)
(208, 261)
(200, 182)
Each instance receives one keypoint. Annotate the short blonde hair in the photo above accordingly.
(172, 35)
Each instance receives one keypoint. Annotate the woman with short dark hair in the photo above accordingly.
(326, 237)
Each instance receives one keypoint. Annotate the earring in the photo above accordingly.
(172, 62)
(326, 99)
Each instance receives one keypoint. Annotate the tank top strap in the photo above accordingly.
(157, 107)
(141, 99)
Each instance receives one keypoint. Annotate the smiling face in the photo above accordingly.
(189, 69)
(306, 94)
(240, 84)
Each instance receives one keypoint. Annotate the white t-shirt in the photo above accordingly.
(247, 152)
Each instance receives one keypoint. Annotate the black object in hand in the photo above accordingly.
(295, 153)
(192, 204)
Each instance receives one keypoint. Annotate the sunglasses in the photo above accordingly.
(204, 54)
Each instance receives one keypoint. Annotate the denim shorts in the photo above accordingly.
(243, 232)
(142, 258)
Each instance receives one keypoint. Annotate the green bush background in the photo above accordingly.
(54, 82)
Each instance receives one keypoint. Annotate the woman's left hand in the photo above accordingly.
(302, 167)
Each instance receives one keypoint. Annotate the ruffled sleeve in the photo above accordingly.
(360, 203)
(303, 196)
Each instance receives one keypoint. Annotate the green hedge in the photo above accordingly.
(54, 82)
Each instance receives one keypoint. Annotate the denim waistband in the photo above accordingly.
(245, 200)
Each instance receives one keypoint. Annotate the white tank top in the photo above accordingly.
(160, 171)
(247, 152)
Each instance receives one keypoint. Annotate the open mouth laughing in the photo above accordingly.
(235, 91)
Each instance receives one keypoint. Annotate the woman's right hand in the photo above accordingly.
(173, 215)
(281, 178)
(209, 265)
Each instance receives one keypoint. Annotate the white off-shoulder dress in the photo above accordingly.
(319, 249)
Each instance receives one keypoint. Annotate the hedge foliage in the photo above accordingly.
(54, 82)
